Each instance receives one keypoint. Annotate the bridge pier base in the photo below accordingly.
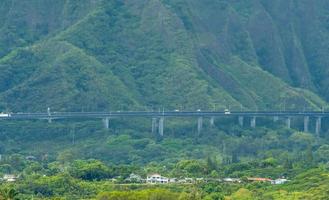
(200, 123)
(253, 122)
(288, 122)
(240, 121)
(306, 122)
(212, 121)
(106, 122)
(154, 124)
(161, 126)
(318, 126)
(49, 114)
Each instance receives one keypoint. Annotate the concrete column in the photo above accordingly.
(240, 120)
(154, 124)
(275, 118)
(306, 122)
(212, 121)
(49, 114)
(288, 122)
(318, 126)
(106, 122)
(161, 126)
(253, 122)
(200, 121)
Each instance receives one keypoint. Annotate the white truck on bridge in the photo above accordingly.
(4, 115)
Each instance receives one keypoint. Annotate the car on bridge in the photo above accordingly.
(227, 112)
(5, 114)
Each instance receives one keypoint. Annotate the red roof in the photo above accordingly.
(259, 179)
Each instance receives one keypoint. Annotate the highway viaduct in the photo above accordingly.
(158, 118)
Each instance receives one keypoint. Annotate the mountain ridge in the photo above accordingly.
(183, 58)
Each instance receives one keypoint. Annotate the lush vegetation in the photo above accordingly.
(87, 162)
(110, 55)
(91, 180)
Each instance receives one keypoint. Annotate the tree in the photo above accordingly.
(322, 153)
(192, 167)
(8, 194)
(211, 164)
(90, 170)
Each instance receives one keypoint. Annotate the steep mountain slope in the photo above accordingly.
(106, 55)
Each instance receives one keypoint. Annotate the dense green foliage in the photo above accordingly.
(51, 181)
(114, 55)
(84, 161)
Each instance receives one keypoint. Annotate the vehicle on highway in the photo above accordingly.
(5, 114)
(227, 112)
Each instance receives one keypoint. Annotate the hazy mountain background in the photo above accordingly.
(178, 54)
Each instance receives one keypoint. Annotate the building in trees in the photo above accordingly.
(156, 178)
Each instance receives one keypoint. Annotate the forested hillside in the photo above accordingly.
(154, 53)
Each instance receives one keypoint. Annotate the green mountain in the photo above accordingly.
(115, 55)
(177, 54)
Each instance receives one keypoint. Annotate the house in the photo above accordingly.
(181, 181)
(232, 180)
(9, 177)
(156, 178)
(30, 158)
(189, 180)
(200, 180)
(134, 178)
(208, 180)
(279, 181)
(259, 179)
(173, 180)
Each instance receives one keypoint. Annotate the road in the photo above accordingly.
(95, 115)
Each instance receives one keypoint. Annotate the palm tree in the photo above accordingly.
(8, 194)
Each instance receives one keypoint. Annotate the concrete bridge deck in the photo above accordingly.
(91, 115)
(158, 117)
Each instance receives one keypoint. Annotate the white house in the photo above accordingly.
(134, 178)
(173, 180)
(156, 178)
(232, 180)
(9, 178)
(279, 181)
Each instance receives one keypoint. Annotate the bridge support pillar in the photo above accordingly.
(306, 122)
(154, 124)
(253, 122)
(200, 122)
(318, 126)
(212, 121)
(161, 126)
(106, 122)
(240, 120)
(49, 114)
(288, 122)
(275, 118)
